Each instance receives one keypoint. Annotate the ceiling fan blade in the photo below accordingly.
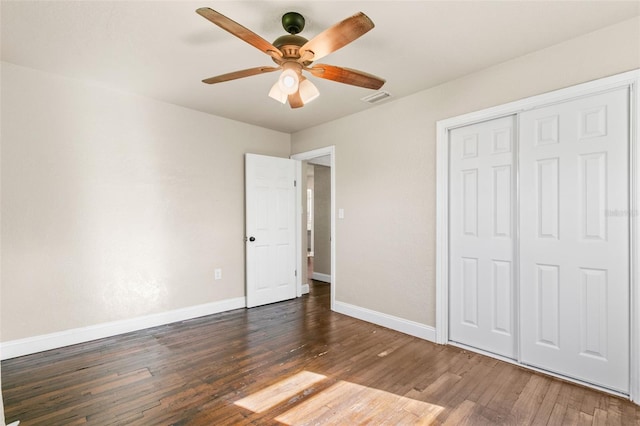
(335, 37)
(346, 76)
(239, 74)
(295, 101)
(239, 31)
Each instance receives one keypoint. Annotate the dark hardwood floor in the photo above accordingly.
(294, 362)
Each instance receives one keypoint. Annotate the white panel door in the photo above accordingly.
(574, 248)
(481, 287)
(271, 229)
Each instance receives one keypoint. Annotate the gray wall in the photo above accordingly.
(322, 220)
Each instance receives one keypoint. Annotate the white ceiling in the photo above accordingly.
(164, 49)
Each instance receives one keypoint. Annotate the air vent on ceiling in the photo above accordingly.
(376, 97)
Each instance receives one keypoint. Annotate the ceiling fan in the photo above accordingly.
(294, 54)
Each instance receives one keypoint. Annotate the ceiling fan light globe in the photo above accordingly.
(277, 94)
(308, 91)
(289, 81)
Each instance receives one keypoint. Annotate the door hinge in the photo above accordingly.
(295, 182)
(296, 272)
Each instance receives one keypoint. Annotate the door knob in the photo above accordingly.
(252, 239)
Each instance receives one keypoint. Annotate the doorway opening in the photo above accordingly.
(316, 213)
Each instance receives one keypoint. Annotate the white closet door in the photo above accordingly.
(574, 239)
(481, 292)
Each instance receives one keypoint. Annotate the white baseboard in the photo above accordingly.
(389, 321)
(45, 342)
(305, 288)
(325, 278)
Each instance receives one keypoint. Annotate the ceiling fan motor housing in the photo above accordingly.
(290, 45)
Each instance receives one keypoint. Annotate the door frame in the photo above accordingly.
(308, 155)
(630, 79)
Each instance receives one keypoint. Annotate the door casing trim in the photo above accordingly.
(308, 155)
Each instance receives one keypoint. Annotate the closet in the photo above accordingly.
(538, 242)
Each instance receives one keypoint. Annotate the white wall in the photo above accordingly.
(115, 206)
(385, 167)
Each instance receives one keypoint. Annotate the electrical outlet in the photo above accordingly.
(218, 274)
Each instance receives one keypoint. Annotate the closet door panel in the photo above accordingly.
(481, 308)
(574, 249)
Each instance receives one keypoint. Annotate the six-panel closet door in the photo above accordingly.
(560, 218)
(482, 304)
(574, 248)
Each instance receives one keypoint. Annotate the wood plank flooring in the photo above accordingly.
(290, 363)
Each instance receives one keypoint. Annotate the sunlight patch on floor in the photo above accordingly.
(350, 403)
(279, 392)
(341, 403)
